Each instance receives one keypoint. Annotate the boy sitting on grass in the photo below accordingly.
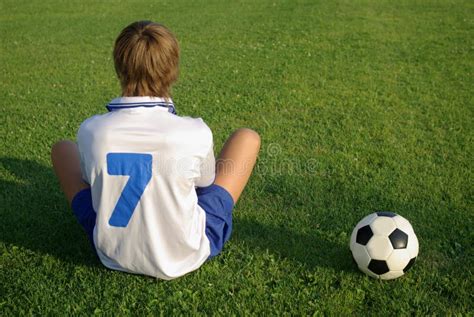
(142, 181)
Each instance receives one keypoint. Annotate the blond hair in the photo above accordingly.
(146, 57)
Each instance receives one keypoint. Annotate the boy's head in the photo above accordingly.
(146, 57)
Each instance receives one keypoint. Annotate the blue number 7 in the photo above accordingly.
(138, 167)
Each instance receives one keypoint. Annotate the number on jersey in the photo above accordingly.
(138, 166)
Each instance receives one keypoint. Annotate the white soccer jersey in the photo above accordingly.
(143, 163)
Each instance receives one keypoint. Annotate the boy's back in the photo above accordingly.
(148, 217)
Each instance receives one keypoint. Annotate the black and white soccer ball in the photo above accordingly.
(384, 245)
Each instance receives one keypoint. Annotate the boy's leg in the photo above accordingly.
(67, 166)
(236, 161)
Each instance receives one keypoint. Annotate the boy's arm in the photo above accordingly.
(208, 170)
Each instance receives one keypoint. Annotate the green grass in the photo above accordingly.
(361, 105)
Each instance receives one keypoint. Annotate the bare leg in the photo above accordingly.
(236, 161)
(67, 166)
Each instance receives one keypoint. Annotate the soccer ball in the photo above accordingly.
(384, 245)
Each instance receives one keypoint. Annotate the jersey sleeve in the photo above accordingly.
(207, 169)
(82, 140)
(83, 171)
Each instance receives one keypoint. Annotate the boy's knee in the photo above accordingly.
(61, 147)
(249, 135)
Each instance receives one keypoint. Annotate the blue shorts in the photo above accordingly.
(218, 205)
(84, 211)
(215, 200)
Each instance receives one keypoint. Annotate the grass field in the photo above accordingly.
(361, 105)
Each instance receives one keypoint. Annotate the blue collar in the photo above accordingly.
(136, 102)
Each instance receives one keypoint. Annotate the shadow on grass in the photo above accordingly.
(35, 214)
(309, 249)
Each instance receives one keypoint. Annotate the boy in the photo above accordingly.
(143, 181)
